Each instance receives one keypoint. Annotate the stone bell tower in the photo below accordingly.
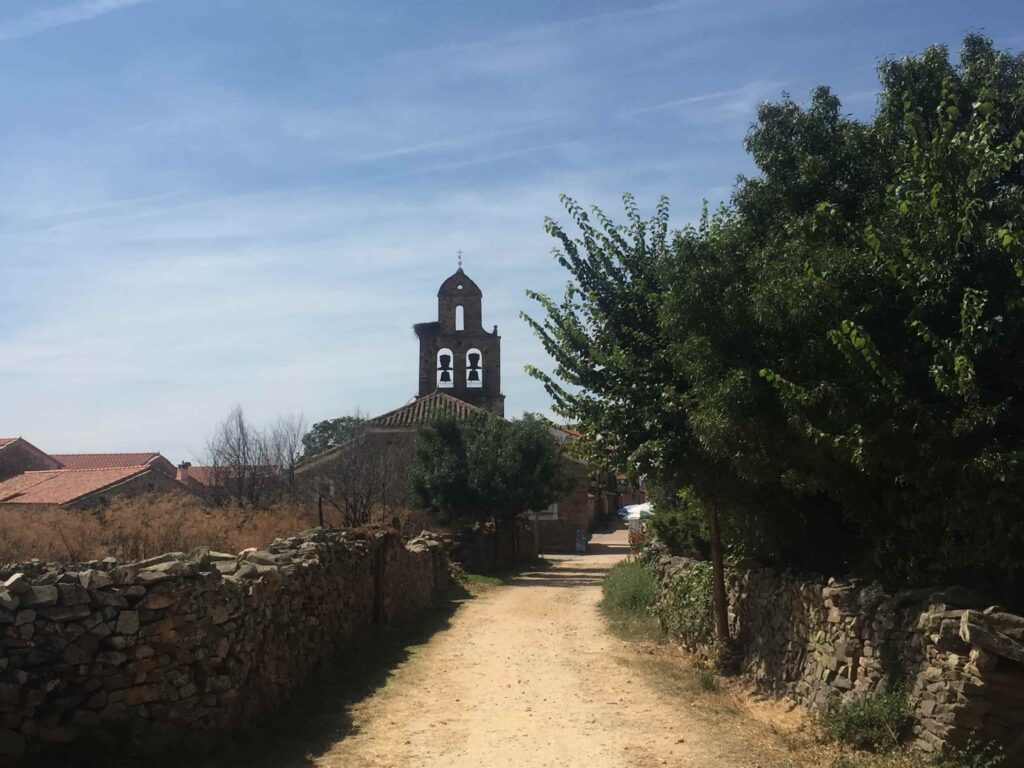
(457, 356)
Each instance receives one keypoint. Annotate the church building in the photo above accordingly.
(457, 356)
(459, 375)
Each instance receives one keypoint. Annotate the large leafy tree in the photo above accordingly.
(913, 392)
(614, 374)
(836, 356)
(484, 469)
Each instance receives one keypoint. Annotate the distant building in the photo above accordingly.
(28, 476)
(459, 375)
(219, 484)
(457, 356)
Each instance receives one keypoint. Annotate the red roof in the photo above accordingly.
(104, 460)
(5, 440)
(62, 486)
(214, 477)
(204, 475)
(425, 409)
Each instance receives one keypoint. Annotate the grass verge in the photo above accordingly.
(628, 594)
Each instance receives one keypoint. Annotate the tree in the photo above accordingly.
(285, 447)
(246, 462)
(330, 433)
(913, 392)
(833, 362)
(614, 376)
(362, 477)
(485, 469)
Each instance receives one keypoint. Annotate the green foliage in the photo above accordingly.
(629, 586)
(877, 723)
(628, 594)
(484, 468)
(680, 520)
(974, 755)
(331, 433)
(686, 611)
(835, 360)
(708, 681)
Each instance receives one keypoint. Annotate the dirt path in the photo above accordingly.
(527, 675)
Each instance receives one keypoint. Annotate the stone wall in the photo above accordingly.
(811, 640)
(197, 642)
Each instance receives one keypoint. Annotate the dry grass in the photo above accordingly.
(140, 527)
(788, 736)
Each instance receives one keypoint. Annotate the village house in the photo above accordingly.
(29, 476)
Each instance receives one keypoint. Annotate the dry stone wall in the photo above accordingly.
(199, 642)
(960, 658)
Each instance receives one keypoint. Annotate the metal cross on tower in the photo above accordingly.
(460, 258)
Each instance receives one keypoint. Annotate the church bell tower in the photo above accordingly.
(457, 356)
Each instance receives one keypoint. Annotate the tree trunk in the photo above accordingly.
(718, 574)
(320, 509)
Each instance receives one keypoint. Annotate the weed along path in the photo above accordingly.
(527, 675)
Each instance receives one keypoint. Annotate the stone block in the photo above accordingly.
(127, 623)
(92, 579)
(40, 596)
(18, 584)
(12, 744)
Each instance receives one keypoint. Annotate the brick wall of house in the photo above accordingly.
(576, 511)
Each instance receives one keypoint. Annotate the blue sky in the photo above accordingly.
(211, 202)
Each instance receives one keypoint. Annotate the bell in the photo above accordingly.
(446, 376)
(474, 375)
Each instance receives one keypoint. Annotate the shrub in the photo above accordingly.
(680, 522)
(140, 527)
(629, 587)
(875, 723)
(708, 681)
(687, 609)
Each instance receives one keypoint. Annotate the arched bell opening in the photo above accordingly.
(445, 369)
(474, 369)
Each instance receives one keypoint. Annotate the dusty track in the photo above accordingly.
(527, 675)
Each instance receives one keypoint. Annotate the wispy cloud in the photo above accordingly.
(545, 29)
(731, 102)
(72, 13)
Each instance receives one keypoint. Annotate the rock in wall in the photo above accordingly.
(961, 660)
(202, 641)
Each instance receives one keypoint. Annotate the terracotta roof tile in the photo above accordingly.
(5, 440)
(203, 475)
(425, 409)
(104, 460)
(213, 477)
(62, 486)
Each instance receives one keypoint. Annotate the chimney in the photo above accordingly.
(183, 468)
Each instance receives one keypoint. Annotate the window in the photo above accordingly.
(460, 318)
(551, 513)
(445, 372)
(474, 369)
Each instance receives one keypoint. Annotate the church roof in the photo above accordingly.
(425, 409)
(459, 284)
